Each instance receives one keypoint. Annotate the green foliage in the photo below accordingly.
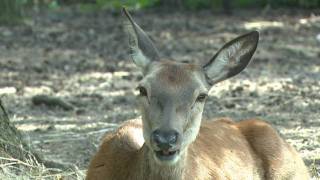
(250, 3)
(117, 4)
(53, 5)
(296, 3)
(217, 4)
(10, 11)
(214, 4)
(202, 4)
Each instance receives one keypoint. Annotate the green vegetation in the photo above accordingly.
(129, 3)
(10, 11)
(205, 4)
(202, 4)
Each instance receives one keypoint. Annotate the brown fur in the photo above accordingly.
(174, 73)
(174, 102)
(249, 149)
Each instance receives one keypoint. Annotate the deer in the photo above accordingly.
(171, 142)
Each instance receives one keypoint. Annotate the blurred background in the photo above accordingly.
(66, 77)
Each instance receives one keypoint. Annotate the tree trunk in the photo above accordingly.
(10, 11)
(227, 6)
(12, 144)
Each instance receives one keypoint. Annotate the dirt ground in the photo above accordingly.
(83, 59)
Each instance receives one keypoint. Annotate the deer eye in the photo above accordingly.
(201, 98)
(142, 91)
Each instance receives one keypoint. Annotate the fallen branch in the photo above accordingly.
(51, 102)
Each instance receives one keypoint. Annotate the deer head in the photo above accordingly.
(172, 94)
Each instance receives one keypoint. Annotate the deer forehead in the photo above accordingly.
(176, 74)
(174, 80)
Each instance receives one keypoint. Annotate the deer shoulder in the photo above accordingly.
(118, 152)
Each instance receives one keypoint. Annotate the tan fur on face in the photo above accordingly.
(172, 90)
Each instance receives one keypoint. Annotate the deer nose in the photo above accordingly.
(165, 139)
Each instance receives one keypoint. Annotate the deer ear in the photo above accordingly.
(142, 50)
(232, 58)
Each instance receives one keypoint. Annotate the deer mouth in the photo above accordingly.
(166, 155)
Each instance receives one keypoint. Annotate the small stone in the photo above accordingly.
(7, 33)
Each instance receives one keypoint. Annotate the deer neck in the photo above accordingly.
(153, 170)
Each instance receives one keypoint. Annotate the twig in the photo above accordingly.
(8, 164)
(17, 161)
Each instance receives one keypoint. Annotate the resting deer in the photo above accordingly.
(170, 142)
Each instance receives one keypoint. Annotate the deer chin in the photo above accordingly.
(166, 157)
